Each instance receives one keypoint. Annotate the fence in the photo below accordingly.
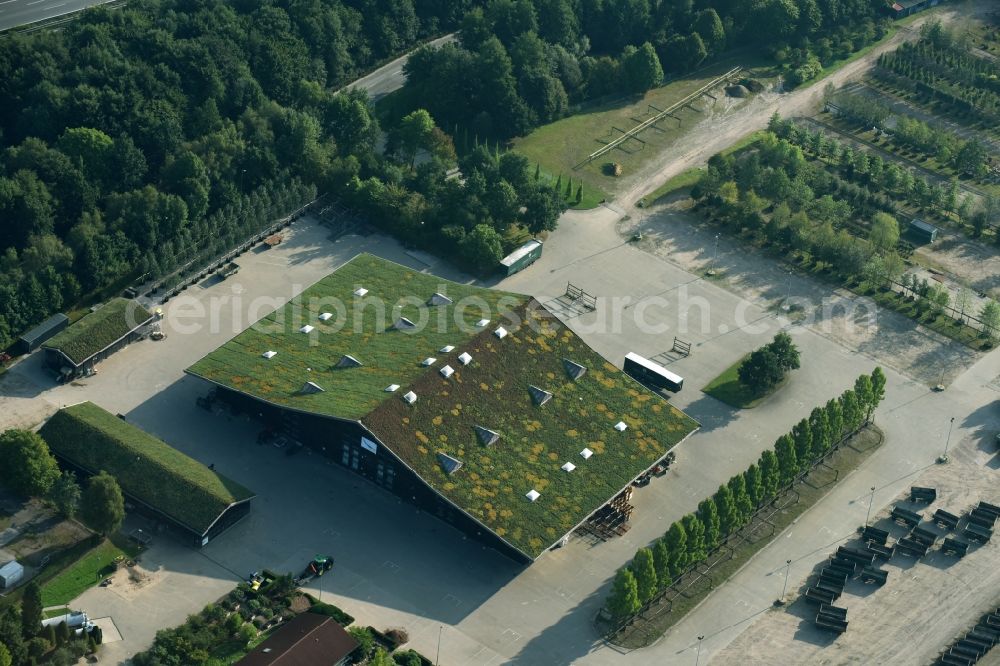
(963, 316)
(649, 122)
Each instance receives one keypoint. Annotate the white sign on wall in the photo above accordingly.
(369, 445)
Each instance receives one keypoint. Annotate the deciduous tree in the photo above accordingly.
(645, 574)
(29, 467)
(709, 515)
(624, 599)
(788, 465)
(729, 519)
(102, 506)
(676, 542)
(695, 531)
(65, 494)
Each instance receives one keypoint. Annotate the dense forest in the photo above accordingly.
(137, 139)
(520, 63)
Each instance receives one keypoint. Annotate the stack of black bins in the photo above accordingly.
(976, 643)
(831, 618)
(979, 522)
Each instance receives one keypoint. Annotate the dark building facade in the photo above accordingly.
(31, 340)
(353, 446)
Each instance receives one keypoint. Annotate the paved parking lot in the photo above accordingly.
(398, 567)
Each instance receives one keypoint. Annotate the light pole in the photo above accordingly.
(697, 654)
(944, 456)
(871, 501)
(788, 292)
(715, 257)
(780, 601)
(437, 657)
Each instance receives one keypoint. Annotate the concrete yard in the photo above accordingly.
(925, 604)
(399, 567)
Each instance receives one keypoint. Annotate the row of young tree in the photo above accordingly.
(941, 68)
(815, 212)
(886, 186)
(794, 205)
(692, 539)
(520, 63)
(967, 156)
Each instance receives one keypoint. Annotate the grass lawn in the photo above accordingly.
(592, 196)
(727, 388)
(820, 481)
(560, 146)
(86, 572)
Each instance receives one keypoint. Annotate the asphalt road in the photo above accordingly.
(14, 13)
(390, 77)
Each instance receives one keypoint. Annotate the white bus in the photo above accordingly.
(651, 373)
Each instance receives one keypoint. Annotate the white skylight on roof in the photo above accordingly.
(428, 361)
(620, 426)
(438, 299)
(447, 348)
(568, 467)
(586, 453)
(403, 323)
(532, 494)
(348, 361)
(360, 291)
(482, 322)
(306, 329)
(392, 388)
(447, 371)
(325, 316)
(500, 332)
(269, 354)
(410, 397)
(465, 358)
(539, 396)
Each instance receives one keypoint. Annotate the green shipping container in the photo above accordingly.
(522, 257)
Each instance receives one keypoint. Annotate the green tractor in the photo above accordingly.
(320, 565)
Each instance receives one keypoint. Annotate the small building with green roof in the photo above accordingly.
(478, 405)
(158, 479)
(79, 347)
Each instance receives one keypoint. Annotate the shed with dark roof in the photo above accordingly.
(307, 640)
(30, 341)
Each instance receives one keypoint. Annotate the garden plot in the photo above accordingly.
(922, 608)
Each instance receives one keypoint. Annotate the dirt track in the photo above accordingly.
(717, 132)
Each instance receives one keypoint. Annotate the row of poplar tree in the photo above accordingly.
(690, 540)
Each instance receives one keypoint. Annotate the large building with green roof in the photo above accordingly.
(155, 477)
(477, 404)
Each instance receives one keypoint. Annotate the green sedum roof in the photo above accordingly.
(492, 392)
(535, 441)
(361, 330)
(146, 468)
(99, 329)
